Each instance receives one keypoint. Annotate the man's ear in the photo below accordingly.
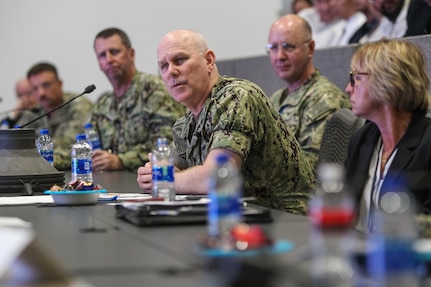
(132, 53)
(210, 58)
(312, 46)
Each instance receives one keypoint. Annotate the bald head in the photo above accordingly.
(22, 84)
(25, 95)
(187, 67)
(291, 48)
(184, 38)
(292, 24)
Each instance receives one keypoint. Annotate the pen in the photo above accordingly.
(146, 199)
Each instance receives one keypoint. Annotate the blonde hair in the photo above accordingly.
(397, 73)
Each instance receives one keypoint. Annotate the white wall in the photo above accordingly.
(62, 32)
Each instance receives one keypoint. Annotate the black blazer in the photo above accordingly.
(418, 18)
(411, 167)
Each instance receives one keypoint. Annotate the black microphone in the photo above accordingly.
(87, 90)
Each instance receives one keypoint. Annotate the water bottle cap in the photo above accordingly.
(88, 126)
(44, 132)
(80, 137)
(222, 158)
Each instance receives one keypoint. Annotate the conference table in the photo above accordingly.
(90, 243)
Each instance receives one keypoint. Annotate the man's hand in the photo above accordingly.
(145, 176)
(104, 160)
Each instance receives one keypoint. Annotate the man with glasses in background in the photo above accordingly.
(309, 98)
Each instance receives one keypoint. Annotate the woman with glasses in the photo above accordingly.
(389, 87)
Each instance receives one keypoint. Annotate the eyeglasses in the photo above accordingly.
(287, 47)
(352, 77)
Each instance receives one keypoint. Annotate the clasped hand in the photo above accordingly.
(105, 160)
(145, 177)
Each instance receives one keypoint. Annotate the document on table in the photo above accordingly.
(36, 199)
(123, 196)
(25, 200)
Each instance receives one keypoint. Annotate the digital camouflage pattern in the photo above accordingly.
(423, 222)
(239, 116)
(129, 127)
(307, 109)
(63, 126)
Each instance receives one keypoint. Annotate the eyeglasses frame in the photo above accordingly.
(352, 78)
(287, 47)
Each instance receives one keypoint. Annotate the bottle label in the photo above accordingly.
(228, 205)
(391, 256)
(95, 144)
(224, 211)
(163, 173)
(81, 166)
(213, 215)
(48, 155)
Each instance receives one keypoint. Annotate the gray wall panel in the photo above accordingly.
(334, 63)
(256, 69)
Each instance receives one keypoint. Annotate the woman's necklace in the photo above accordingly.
(384, 159)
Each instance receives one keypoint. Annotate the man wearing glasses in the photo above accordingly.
(309, 98)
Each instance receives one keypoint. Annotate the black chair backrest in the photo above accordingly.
(339, 128)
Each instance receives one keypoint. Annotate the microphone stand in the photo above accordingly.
(87, 90)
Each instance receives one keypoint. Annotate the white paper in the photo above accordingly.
(13, 242)
(180, 203)
(25, 199)
(34, 199)
(14, 222)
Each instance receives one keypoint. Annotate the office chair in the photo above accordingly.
(339, 128)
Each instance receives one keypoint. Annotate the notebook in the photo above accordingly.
(194, 211)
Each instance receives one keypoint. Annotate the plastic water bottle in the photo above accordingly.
(225, 188)
(331, 213)
(4, 125)
(92, 136)
(163, 170)
(45, 146)
(81, 161)
(392, 261)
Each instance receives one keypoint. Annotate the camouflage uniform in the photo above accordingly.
(63, 125)
(129, 127)
(307, 109)
(239, 116)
